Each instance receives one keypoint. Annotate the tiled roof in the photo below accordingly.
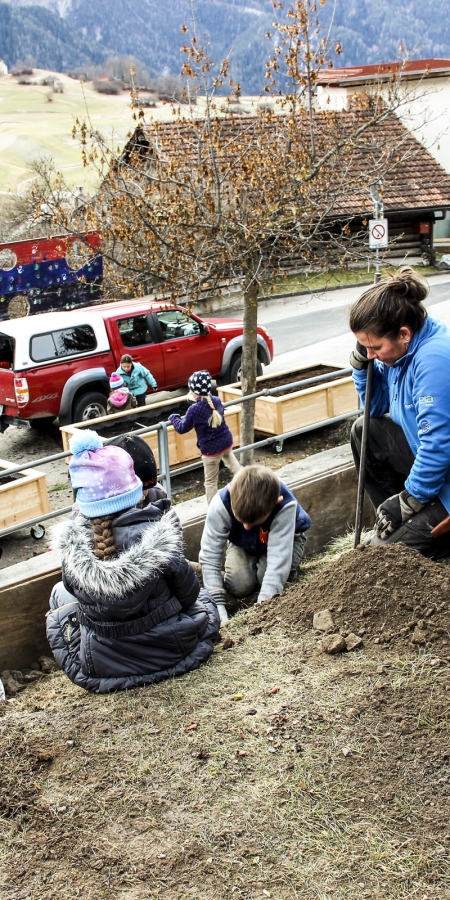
(414, 180)
(352, 75)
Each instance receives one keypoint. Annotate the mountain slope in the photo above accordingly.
(44, 35)
(150, 30)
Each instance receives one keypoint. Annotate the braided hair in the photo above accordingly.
(216, 418)
(102, 527)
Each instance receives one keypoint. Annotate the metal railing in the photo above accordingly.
(165, 472)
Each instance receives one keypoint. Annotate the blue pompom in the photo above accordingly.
(85, 440)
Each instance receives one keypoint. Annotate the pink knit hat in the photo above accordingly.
(116, 381)
(103, 477)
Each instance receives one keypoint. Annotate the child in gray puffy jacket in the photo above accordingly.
(129, 610)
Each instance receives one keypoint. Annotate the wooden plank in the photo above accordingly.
(182, 447)
(23, 609)
(24, 498)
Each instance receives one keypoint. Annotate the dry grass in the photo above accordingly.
(273, 771)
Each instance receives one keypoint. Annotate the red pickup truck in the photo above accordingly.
(59, 363)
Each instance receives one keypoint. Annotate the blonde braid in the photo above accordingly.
(216, 418)
(103, 536)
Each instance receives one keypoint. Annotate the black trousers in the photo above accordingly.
(389, 462)
(140, 399)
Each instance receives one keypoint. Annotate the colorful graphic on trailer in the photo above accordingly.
(49, 274)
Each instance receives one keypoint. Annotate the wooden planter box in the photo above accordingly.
(182, 447)
(286, 412)
(23, 498)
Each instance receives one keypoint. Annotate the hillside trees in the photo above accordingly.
(215, 197)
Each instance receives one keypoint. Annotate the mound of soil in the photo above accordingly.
(387, 595)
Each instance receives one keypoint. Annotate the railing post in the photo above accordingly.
(163, 453)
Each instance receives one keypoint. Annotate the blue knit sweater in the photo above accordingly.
(210, 441)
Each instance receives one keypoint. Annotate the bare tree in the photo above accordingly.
(214, 197)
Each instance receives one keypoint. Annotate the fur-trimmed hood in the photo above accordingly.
(148, 542)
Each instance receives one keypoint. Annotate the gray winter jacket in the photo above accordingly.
(135, 619)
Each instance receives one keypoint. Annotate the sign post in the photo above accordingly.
(378, 226)
(378, 237)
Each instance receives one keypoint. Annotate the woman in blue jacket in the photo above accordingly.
(136, 378)
(408, 458)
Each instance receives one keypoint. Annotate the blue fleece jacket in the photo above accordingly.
(138, 379)
(416, 393)
(210, 441)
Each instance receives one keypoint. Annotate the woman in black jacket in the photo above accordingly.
(129, 610)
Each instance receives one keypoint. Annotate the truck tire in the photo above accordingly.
(234, 369)
(89, 406)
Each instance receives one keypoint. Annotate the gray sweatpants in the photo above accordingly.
(244, 573)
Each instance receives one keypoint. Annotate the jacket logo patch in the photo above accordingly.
(425, 426)
(427, 400)
(263, 536)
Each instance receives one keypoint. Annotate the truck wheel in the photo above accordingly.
(89, 406)
(234, 371)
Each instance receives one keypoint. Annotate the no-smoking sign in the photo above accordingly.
(378, 233)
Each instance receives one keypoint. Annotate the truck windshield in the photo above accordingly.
(6, 351)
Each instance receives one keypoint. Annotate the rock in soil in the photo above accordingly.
(383, 592)
(323, 620)
(419, 637)
(353, 641)
(333, 643)
(48, 664)
(11, 684)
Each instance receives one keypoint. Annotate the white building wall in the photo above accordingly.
(426, 111)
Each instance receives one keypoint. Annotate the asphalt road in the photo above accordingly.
(299, 331)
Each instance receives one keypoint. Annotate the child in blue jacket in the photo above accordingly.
(214, 438)
(136, 378)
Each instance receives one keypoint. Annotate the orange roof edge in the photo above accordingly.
(362, 73)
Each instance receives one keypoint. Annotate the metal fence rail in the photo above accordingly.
(165, 472)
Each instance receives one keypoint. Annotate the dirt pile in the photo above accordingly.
(386, 595)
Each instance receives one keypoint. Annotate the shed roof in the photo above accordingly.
(415, 180)
(412, 68)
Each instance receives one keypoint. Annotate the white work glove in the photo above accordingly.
(223, 615)
(219, 600)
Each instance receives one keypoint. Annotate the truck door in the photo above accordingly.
(136, 338)
(187, 345)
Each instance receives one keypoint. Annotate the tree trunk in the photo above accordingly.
(248, 372)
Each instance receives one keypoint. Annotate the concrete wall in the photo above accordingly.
(325, 484)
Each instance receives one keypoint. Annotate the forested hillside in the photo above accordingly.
(150, 30)
(52, 42)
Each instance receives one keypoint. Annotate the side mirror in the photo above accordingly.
(203, 328)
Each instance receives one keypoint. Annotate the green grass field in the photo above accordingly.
(33, 127)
